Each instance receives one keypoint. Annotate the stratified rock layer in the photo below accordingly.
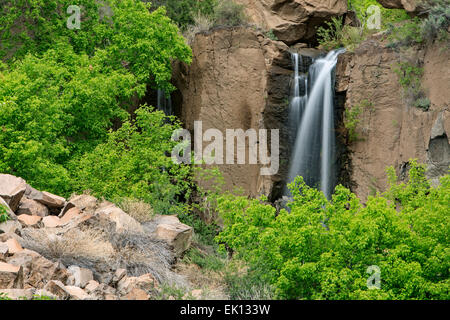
(391, 130)
(238, 79)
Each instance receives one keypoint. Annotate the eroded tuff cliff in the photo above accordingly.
(292, 21)
(238, 79)
(391, 131)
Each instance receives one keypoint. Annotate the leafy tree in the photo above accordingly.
(135, 162)
(124, 34)
(322, 249)
(62, 90)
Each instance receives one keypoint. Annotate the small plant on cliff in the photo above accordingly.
(336, 35)
(410, 77)
(432, 24)
(271, 35)
(3, 214)
(352, 118)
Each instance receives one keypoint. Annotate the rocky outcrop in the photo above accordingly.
(391, 131)
(292, 20)
(411, 6)
(83, 248)
(238, 79)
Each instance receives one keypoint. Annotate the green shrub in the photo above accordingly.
(3, 214)
(4, 296)
(213, 262)
(271, 35)
(410, 78)
(229, 13)
(433, 23)
(135, 162)
(63, 90)
(322, 249)
(336, 35)
(387, 15)
(352, 118)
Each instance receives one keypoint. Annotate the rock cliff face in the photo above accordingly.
(410, 6)
(239, 79)
(292, 20)
(391, 131)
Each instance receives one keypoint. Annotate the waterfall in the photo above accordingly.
(163, 103)
(312, 110)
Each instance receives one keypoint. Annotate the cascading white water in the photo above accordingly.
(314, 151)
(163, 103)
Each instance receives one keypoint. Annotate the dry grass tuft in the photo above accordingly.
(201, 24)
(138, 209)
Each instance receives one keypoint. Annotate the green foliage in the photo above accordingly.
(410, 77)
(183, 12)
(144, 43)
(247, 285)
(271, 35)
(321, 249)
(406, 34)
(62, 90)
(134, 162)
(387, 15)
(4, 296)
(3, 214)
(352, 118)
(229, 13)
(55, 107)
(432, 23)
(336, 35)
(213, 262)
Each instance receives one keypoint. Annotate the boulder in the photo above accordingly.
(57, 288)
(76, 293)
(102, 292)
(176, 234)
(124, 222)
(136, 294)
(51, 222)
(119, 275)
(70, 215)
(32, 208)
(46, 198)
(12, 189)
(10, 227)
(292, 20)
(80, 277)
(37, 270)
(91, 286)
(19, 294)
(13, 246)
(4, 248)
(69, 205)
(411, 6)
(127, 284)
(29, 221)
(11, 276)
(84, 202)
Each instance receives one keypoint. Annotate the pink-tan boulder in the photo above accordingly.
(32, 208)
(11, 276)
(29, 221)
(12, 189)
